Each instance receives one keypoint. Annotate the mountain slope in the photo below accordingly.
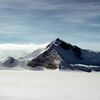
(62, 55)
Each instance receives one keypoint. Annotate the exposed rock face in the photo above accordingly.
(10, 62)
(76, 50)
(63, 44)
(50, 59)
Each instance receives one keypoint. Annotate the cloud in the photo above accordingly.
(44, 20)
(69, 11)
(18, 50)
(79, 12)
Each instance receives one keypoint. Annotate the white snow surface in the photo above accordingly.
(49, 85)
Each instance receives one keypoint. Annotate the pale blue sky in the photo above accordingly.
(41, 21)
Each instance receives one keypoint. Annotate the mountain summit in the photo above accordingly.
(62, 55)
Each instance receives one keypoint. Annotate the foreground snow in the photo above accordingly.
(49, 85)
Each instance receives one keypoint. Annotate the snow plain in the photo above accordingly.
(44, 85)
(49, 85)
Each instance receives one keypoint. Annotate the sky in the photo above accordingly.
(42, 21)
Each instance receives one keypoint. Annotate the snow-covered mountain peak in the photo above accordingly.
(62, 44)
(57, 55)
(63, 48)
(57, 42)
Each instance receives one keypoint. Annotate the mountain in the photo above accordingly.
(10, 62)
(62, 55)
(56, 55)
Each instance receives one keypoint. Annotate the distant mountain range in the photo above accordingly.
(57, 55)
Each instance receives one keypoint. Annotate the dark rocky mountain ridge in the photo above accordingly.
(62, 55)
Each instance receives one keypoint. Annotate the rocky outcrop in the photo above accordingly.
(50, 59)
(10, 62)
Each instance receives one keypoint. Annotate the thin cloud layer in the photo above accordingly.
(44, 20)
(18, 50)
